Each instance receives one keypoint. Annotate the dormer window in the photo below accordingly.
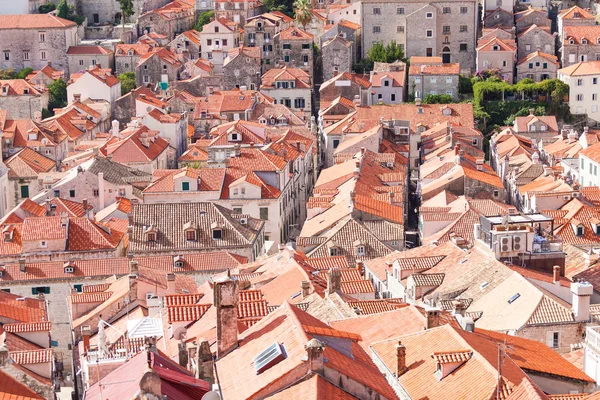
(190, 235)
(150, 233)
(576, 14)
(532, 128)
(571, 41)
(584, 41)
(178, 262)
(495, 47)
(333, 249)
(130, 53)
(217, 231)
(151, 237)
(361, 251)
(69, 268)
(190, 230)
(580, 231)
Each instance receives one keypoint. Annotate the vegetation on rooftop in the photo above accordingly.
(380, 53)
(203, 19)
(58, 94)
(46, 8)
(127, 82)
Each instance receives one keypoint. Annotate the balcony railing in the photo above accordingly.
(547, 246)
(592, 337)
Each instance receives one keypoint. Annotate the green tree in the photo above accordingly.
(203, 19)
(303, 12)
(126, 9)
(63, 10)
(22, 74)
(127, 82)
(58, 94)
(275, 5)
(387, 54)
(7, 73)
(46, 8)
(437, 99)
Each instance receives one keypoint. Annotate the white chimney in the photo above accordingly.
(582, 292)
(101, 190)
(115, 128)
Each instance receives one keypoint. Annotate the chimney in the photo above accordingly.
(86, 332)
(115, 128)
(479, 163)
(356, 101)
(572, 136)
(226, 297)
(582, 292)
(144, 140)
(362, 151)
(547, 171)
(432, 318)
(251, 145)
(535, 158)
(418, 102)
(305, 285)
(298, 145)
(237, 149)
(531, 111)
(76, 97)
(391, 196)
(205, 362)
(314, 354)
(22, 266)
(84, 203)
(401, 359)
(357, 169)
(101, 190)
(556, 275)
(459, 307)
(170, 283)
(360, 266)
(37, 116)
(334, 280)
(133, 275)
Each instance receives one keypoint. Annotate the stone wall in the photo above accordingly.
(337, 59)
(23, 106)
(242, 71)
(537, 40)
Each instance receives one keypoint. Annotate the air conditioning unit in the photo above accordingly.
(244, 221)
(518, 243)
(505, 244)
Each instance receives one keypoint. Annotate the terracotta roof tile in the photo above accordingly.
(82, 298)
(87, 50)
(32, 356)
(293, 33)
(12, 389)
(315, 388)
(34, 21)
(28, 327)
(186, 313)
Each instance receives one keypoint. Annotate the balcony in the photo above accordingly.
(544, 245)
(592, 337)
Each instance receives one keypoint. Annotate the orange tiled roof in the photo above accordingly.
(13, 389)
(314, 388)
(443, 69)
(575, 12)
(87, 50)
(293, 33)
(34, 21)
(581, 69)
(578, 33)
(138, 49)
(531, 56)
(32, 356)
(28, 327)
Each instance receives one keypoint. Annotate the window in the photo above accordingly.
(386, 83)
(579, 82)
(305, 60)
(24, 191)
(237, 210)
(429, 15)
(446, 29)
(376, 29)
(185, 186)
(287, 46)
(299, 103)
(496, 193)
(463, 47)
(286, 58)
(216, 29)
(376, 11)
(147, 78)
(190, 234)
(594, 81)
(209, 42)
(555, 337)
(151, 237)
(464, 10)
(447, 10)
(42, 37)
(224, 42)
(579, 97)
(78, 287)
(95, 192)
(40, 289)
(400, 29)
(400, 11)
(449, 79)
(545, 65)
(429, 33)
(429, 52)
(43, 55)
(264, 213)
(594, 96)
(72, 193)
(474, 142)
(80, 62)
(393, 97)
(7, 56)
(336, 143)
(464, 28)
(305, 46)
(43, 244)
(361, 251)
(25, 56)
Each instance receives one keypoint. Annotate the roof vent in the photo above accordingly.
(269, 357)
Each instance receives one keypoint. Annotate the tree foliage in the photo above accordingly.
(58, 94)
(303, 12)
(387, 54)
(46, 8)
(64, 10)
(438, 99)
(22, 74)
(203, 19)
(127, 82)
(126, 9)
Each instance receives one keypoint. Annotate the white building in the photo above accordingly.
(589, 164)
(95, 83)
(584, 86)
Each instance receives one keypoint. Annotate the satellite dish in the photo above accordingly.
(212, 395)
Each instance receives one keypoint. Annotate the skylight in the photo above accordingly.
(269, 357)
(515, 297)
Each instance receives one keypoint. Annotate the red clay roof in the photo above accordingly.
(13, 389)
(87, 50)
(34, 21)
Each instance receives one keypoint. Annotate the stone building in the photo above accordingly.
(337, 56)
(82, 57)
(296, 49)
(25, 166)
(388, 85)
(537, 66)
(580, 44)
(108, 11)
(346, 85)
(33, 40)
(349, 31)
(237, 11)
(535, 38)
(290, 87)
(45, 76)
(424, 28)
(127, 56)
(170, 20)
(429, 75)
(261, 31)
(159, 65)
(218, 37)
(497, 54)
(242, 68)
(21, 100)
(574, 16)
(498, 18)
(186, 43)
(531, 16)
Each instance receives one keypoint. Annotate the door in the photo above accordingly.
(446, 55)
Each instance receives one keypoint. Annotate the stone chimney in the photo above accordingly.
(334, 280)
(22, 266)
(76, 96)
(361, 268)
(226, 297)
(150, 386)
(401, 359)
(314, 353)
(237, 149)
(556, 275)
(531, 111)
(37, 116)
(572, 136)
(305, 285)
(479, 164)
(170, 283)
(582, 292)
(356, 101)
(86, 332)
(432, 318)
(535, 158)
(115, 128)
(391, 196)
(133, 284)
(205, 362)
(459, 307)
